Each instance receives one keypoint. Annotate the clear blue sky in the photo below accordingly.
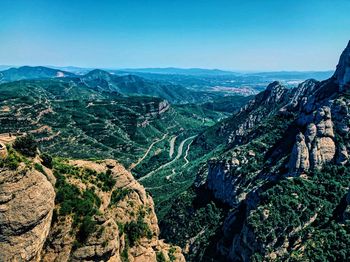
(258, 35)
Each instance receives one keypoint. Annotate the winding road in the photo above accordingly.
(179, 153)
(146, 153)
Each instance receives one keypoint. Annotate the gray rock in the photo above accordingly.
(26, 205)
(299, 160)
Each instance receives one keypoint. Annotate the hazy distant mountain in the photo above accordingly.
(180, 71)
(318, 75)
(29, 72)
(135, 85)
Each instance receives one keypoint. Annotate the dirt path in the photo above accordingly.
(146, 153)
(179, 153)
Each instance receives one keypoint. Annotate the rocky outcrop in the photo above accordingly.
(300, 95)
(26, 205)
(299, 161)
(108, 242)
(152, 110)
(273, 95)
(3, 151)
(316, 138)
(317, 147)
(30, 232)
(222, 183)
(257, 109)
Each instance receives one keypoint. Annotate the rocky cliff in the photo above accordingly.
(76, 211)
(26, 206)
(289, 142)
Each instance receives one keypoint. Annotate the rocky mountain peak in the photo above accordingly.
(274, 85)
(342, 73)
(273, 93)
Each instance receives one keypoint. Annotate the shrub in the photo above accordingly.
(26, 145)
(87, 227)
(118, 195)
(107, 180)
(47, 160)
(160, 257)
(134, 230)
(171, 254)
(12, 161)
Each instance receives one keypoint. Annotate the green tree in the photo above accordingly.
(26, 145)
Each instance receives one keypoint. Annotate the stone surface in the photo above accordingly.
(107, 242)
(26, 205)
(299, 161)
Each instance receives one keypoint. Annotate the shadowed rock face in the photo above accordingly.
(342, 74)
(26, 205)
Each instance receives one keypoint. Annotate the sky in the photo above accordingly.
(250, 35)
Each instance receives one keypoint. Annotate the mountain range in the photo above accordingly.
(263, 177)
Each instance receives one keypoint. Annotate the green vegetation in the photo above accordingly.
(82, 205)
(300, 201)
(134, 230)
(171, 254)
(160, 257)
(46, 160)
(124, 255)
(118, 195)
(195, 215)
(40, 168)
(26, 145)
(107, 180)
(12, 160)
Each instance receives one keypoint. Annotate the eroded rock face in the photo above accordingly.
(28, 232)
(152, 110)
(222, 183)
(108, 243)
(299, 160)
(274, 95)
(317, 147)
(26, 205)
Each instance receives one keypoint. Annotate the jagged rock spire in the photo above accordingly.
(342, 73)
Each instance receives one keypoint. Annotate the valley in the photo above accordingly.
(175, 131)
(219, 167)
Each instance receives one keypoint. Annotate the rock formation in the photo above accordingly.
(313, 145)
(27, 205)
(108, 242)
(299, 160)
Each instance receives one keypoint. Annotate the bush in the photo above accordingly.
(118, 195)
(160, 257)
(134, 230)
(26, 145)
(12, 161)
(87, 227)
(47, 160)
(107, 180)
